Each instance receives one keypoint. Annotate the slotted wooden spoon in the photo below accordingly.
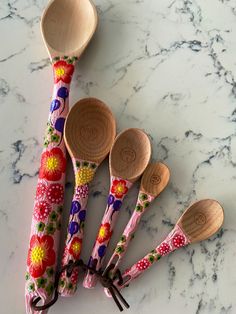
(154, 180)
(67, 27)
(89, 134)
(129, 157)
(199, 222)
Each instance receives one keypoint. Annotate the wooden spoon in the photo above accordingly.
(89, 134)
(67, 27)
(199, 222)
(129, 157)
(154, 180)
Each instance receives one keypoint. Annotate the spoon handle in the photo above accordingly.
(142, 205)
(118, 190)
(173, 241)
(48, 204)
(84, 173)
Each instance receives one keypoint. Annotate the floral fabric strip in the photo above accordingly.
(174, 240)
(46, 220)
(84, 173)
(118, 190)
(142, 204)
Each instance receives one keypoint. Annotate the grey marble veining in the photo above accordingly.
(168, 67)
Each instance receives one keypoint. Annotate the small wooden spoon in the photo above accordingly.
(129, 157)
(67, 27)
(154, 180)
(89, 134)
(199, 222)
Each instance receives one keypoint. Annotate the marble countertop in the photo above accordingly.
(165, 66)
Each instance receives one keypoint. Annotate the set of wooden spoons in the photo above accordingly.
(89, 134)
(89, 137)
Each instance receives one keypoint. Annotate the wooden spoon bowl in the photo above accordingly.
(201, 220)
(155, 178)
(90, 130)
(67, 26)
(130, 154)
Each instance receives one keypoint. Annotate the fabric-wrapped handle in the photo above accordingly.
(48, 205)
(118, 190)
(84, 173)
(142, 204)
(175, 240)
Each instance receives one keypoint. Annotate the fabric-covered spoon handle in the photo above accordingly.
(174, 240)
(84, 173)
(46, 220)
(118, 190)
(142, 204)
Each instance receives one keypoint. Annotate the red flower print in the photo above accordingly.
(40, 255)
(104, 233)
(164, 248)
(41, 210)
(119, 188)
(82, 191)
(75, 247)
(53, 164)
(178, 240)
(74, 276)
(55, 193)
(63, 71)
(41, 190)
(143, 264)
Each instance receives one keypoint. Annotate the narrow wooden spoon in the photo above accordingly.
(199, 222)
(129, 157)
(67, 27)
(89, 134)
(154, 180)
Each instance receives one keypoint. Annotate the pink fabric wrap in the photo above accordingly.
(48, 205)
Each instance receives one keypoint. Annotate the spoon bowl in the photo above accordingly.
(130, 154)
(201, 220)
(90, 130)
(67, 26)
(155, 178)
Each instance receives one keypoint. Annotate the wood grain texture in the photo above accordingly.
(155, 178)
(130, 154)
(67, 26)
(90, 130)
(201, 220)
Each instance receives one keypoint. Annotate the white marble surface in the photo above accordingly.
(166, 66)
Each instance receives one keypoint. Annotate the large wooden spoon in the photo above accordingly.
(129, 157)
(67, 27)
(199, 222)
(154, 180)
(89, 134)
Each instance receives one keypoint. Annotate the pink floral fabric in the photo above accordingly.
(118, 190)
(142, 205)
(46, 219)
(174, 240)
(84, 173)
